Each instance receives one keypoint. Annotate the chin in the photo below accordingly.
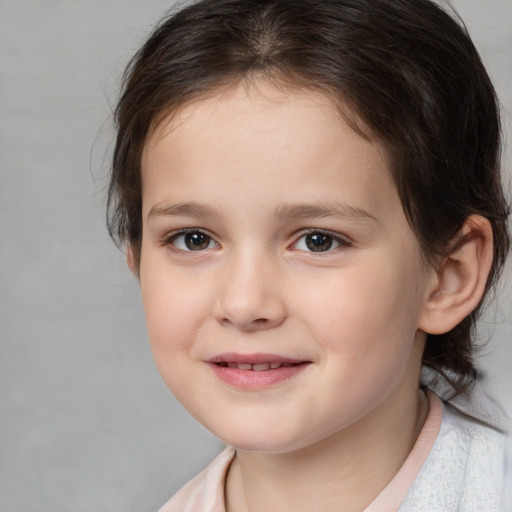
(267, 441)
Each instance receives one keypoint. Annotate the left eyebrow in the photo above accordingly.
(335, 210)
(183, 209)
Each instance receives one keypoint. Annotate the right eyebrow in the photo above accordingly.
(183, 210)
(325, 210)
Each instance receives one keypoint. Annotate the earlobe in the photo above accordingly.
(461, 278)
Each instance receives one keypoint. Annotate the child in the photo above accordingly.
(309, 193)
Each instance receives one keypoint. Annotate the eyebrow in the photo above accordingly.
(183, 210)
(324, 210)
(284, 210)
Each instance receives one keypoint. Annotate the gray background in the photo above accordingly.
(86, 424)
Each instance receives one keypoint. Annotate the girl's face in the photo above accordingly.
(282, 285)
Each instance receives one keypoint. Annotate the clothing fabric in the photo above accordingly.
(457, 464)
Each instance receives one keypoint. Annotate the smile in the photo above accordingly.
(256, 367)
(255, 371)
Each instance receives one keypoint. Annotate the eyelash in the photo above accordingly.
(342, 242)
(170, 240)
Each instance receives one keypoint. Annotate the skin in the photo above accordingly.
(242, 169)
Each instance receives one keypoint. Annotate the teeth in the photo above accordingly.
(261, 367)
(256, 367)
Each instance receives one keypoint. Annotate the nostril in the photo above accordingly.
(260, 323)
(252, 325)
(251, 314)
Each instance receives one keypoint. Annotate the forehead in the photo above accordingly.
(262, 138)
(271, 103)
(270, 94)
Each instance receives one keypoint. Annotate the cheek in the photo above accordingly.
(365, 313)
(365, 324)
(172, 319)
(173, 308)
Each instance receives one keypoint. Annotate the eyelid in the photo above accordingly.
(344, 241)
(169, 238)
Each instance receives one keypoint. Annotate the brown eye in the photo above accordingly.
(193, 241)
(318, 242)
(321, 241)
(197, 241)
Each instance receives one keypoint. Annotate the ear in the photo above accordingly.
(461, 278)
(132, 261)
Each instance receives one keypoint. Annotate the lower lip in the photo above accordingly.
(250, 379)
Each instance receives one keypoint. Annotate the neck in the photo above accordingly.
(343, 473)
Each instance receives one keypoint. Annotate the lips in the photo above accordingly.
(253, 371)
(256, 367)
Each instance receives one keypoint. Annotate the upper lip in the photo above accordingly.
(253, 358)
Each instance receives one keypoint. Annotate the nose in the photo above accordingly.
(250, 295)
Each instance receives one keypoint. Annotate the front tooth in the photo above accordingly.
(273, 366)
(232, 365)
(244, 366)
(261, 367)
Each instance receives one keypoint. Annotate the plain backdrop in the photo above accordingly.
(86, 424)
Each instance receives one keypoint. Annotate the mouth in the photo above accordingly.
(257, 367)
(255, 371)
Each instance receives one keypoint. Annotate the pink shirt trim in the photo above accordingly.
(392, 496)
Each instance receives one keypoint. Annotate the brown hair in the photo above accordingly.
(407, 74)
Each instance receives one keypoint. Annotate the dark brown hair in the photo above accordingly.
(403, 72)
